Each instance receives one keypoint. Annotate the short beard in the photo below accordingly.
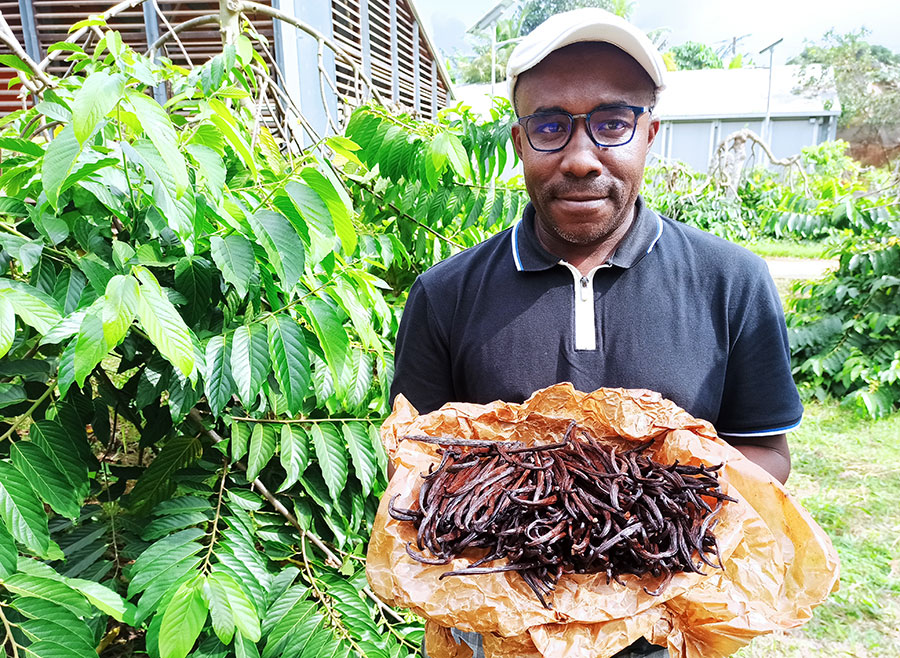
(589, 233)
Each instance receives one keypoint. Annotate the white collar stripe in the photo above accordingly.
(514, 236)
(772, 432)
(658, 234)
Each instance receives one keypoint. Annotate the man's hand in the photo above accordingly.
(770, 452)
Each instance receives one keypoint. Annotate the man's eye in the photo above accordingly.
(612, 125)
(549, 127)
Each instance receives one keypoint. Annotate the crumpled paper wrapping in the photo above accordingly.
(779, 564)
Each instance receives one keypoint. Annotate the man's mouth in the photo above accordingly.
(578, 198)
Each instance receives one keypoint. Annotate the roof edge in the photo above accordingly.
(747, 115)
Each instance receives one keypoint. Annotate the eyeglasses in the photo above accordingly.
(608, 125)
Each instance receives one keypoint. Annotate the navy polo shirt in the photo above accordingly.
(674, 310)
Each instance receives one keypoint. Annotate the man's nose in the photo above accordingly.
(581, 157)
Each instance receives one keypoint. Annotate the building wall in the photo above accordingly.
(694, 142)
(382, 36)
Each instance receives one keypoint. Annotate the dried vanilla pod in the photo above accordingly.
(574, 506)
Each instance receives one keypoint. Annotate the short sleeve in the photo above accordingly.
(759, 397)
(422, 369)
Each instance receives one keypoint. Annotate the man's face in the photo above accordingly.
(583, 193)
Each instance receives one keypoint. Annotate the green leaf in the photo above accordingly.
(45, 478)
(182, 621)
(233, 255)
(177, 209)
(294, 629)
(211, 166)
(164, 326)
(154, 482)
(68, 289)
(249, 361)
(219, 610)
(332, 336)
(246, 500)
(58, 160)
(282, 245)
(332, 457)
(102, 598)
(161, 556)
(244, 648)
(224, 121)
(8, 553)
(449, 146)
(66, 371)
(193, 279)
(361, 380)
(62, 447)
(22, 512)
(294, 453)
(240, 439)
(245, 616)
(219, 384)
(35, 308)
(315, 215)
(122, 253)
(21, 146)
(7, 324)
(98, 95)
(182, 504)
(53, 640)
(165, 525)
(48, 589)
(365, 463)
(15, 62)
(159, 129)
(11, 394)
(90, 345)
(119, 308)
(336, 202)
(262, 448)
(287, 349)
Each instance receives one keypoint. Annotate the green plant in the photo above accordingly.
(196, 325)
(675, 190)
(844, 328)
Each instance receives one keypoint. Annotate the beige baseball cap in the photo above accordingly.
(587, 24)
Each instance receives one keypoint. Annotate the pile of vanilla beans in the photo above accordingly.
(575, 506)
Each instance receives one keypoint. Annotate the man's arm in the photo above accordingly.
(770, 452)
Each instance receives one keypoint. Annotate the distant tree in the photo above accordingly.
(867, 78)
(693, 55)
(535, 12)
(477, 68)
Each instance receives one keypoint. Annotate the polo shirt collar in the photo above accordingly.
(529, 254)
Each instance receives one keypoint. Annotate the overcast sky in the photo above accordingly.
(710, 21)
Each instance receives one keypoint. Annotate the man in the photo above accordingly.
(591, 286)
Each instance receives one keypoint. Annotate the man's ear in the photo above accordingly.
(652, 130)
(517, 138)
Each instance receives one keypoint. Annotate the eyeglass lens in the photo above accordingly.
(608, 127)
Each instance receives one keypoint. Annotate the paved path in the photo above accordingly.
(799, 268)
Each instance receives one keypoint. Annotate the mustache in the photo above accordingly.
(593, 188)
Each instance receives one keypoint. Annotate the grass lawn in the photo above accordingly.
(846, 471)
(771, 248)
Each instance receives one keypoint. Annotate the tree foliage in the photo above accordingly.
(867, 78)
(476, 68)
(535, 12)
(196, 334)
(693, 55)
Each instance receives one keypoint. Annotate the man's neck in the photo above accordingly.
(589, 256)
